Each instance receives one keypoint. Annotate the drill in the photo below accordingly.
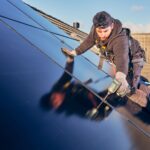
(111, 89)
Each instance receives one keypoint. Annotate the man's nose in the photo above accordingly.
(102, 34)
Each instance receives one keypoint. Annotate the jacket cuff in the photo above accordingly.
(120, 75)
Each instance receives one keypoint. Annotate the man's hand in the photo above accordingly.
(124, 88)
(71, 53)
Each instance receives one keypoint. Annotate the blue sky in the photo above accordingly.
(134, 14)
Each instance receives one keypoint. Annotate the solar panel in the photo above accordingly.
(32, 71)
(100, 81)
(24, 82)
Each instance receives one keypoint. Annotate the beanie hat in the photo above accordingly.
(102, 19)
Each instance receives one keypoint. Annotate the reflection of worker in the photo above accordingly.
(113, 41)
(70, 95)
(66, 90)
(72, 98)
(58, 93)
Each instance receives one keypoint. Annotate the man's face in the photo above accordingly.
(104, 33)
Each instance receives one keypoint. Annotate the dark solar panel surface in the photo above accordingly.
(32, 64)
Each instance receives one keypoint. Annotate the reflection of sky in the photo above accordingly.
(107, 67)
(85, 70)
(35, 16)
(41, 22)
(92, 57)
(102, 85)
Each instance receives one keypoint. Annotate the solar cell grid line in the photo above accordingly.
(10, 15)
(25, 9)
(17, 21)
(26, 13)
(61, 32)
(62, 40)
(84, 85)
(4, 12)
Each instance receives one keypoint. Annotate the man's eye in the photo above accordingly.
(99, 32)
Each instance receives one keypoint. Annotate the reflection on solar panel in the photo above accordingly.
(37, 77)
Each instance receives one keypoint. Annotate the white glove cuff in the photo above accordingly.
(74, 52)
(120, 75)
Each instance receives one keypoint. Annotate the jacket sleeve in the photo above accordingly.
(87, 43)
(121, 52)
(137, 51)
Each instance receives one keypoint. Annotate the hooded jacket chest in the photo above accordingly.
(105, 49)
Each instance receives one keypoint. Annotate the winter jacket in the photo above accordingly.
(117, 44)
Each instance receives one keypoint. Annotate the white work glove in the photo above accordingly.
(124, 87)
(71, 53)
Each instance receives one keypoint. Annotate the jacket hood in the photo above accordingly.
(117, 27)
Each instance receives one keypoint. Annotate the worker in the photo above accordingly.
(117, 46)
